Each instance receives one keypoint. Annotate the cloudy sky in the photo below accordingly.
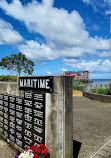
(58, 35)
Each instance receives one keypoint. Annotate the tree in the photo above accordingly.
(17, 63)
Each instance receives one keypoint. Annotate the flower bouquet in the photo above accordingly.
(35, 152)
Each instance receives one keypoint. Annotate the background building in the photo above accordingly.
(78, 75)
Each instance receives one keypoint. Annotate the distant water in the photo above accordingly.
(98, 83)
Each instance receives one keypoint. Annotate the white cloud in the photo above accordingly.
(64, 32)
(105, 54)
(87, 1)
(63, 69)
(8, 35)
(108, 2)
(91, 66)
(34, 50)
(48, 73)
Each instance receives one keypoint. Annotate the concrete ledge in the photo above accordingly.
(12, 144)
(99, 97)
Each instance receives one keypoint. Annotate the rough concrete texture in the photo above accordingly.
(9, 87)
(91, 124)
(104, 152)
(59, 133)
(6, 151)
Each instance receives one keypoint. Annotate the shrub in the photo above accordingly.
(100, 91)
(93, 89)
(109, 85)
(8, 78)
(106, 91)
(77, 85)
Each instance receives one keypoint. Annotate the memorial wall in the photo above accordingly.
(37, 110)
(22, 120)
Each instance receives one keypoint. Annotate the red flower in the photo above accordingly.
(38, 150)
(46, 151)
(44, 146)
(36, 155)
(41, 145)
(43, 151)
(26, 149)
(32, 147)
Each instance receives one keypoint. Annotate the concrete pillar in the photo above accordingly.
(59, 118)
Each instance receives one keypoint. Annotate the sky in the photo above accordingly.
(58, 35)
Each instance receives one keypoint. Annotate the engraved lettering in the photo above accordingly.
(18, 114)
(28, 95)
(18, 142)
(1, 102)
(19, 108)
(5, 103)
(5, 109)
(28, 103)
(12, 99)
(19, 122)
(38, 138)
(28, 110)
(38, 105)
(19, 101)
(38, 97)
(19, 135)
(39, 130)
(28, 133)
(12, 112)
(38, 122)
(6, 115)
(38, 113)
(18, 128)
(28, 125)
(6, 127)
(12, 131)
(28, 118)
(12, 106)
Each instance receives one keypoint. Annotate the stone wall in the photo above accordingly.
(99, 97)
(9, 87)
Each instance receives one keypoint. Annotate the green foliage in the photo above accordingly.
(106, 91)
(98, 90)
(17, 63)
(109, 85)
(93, 90)
(77, 85)
(8, 78)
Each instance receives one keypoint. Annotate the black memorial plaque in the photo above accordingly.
(43, 84)
(1, 114)
(28, 120)
(6, 114)
(19, 101)
(39, 118)
(34, 114)
(12, 119)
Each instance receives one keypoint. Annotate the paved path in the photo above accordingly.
(91, 125)
(6, 151)
(104, 152)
